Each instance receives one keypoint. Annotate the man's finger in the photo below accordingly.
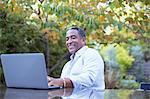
(49, 78)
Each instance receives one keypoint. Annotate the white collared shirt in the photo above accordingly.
(86, 69)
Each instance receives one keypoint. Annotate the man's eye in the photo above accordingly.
(73, 37)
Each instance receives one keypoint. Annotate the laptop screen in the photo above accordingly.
(26, 70)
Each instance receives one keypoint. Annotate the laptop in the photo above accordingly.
(25, 70)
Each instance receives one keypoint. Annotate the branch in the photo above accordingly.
(58, 62)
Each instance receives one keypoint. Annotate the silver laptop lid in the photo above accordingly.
(26, 70)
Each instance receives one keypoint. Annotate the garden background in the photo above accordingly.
(118, 29)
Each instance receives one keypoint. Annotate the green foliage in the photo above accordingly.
(117, 62)
(1, 76)
(124, 60)
(118, 94)
(117, 57)
(106, 22)
(17, 35)
(109, 55)
(124, 94)
(129, 84)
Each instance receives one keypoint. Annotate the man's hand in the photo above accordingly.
(56, 82)
(62, 82)
(49, 78)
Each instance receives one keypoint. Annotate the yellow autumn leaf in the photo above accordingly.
(17, 9)
(103, 1)
(1, 5)
(13, 1)
(101, 18)
(51, 35)
(83, 6)
(71, 1)
(63, 24)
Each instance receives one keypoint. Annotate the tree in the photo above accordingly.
(125, 22)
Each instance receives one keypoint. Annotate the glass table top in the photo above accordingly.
(69, 93)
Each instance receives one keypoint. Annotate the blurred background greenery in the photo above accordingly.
(118, 29)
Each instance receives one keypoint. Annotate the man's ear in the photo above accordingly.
(84, 40)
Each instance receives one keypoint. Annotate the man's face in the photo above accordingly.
(73, 41)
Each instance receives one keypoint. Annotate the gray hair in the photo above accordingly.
(81, 32)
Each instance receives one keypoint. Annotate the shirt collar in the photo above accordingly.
(79, 52)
